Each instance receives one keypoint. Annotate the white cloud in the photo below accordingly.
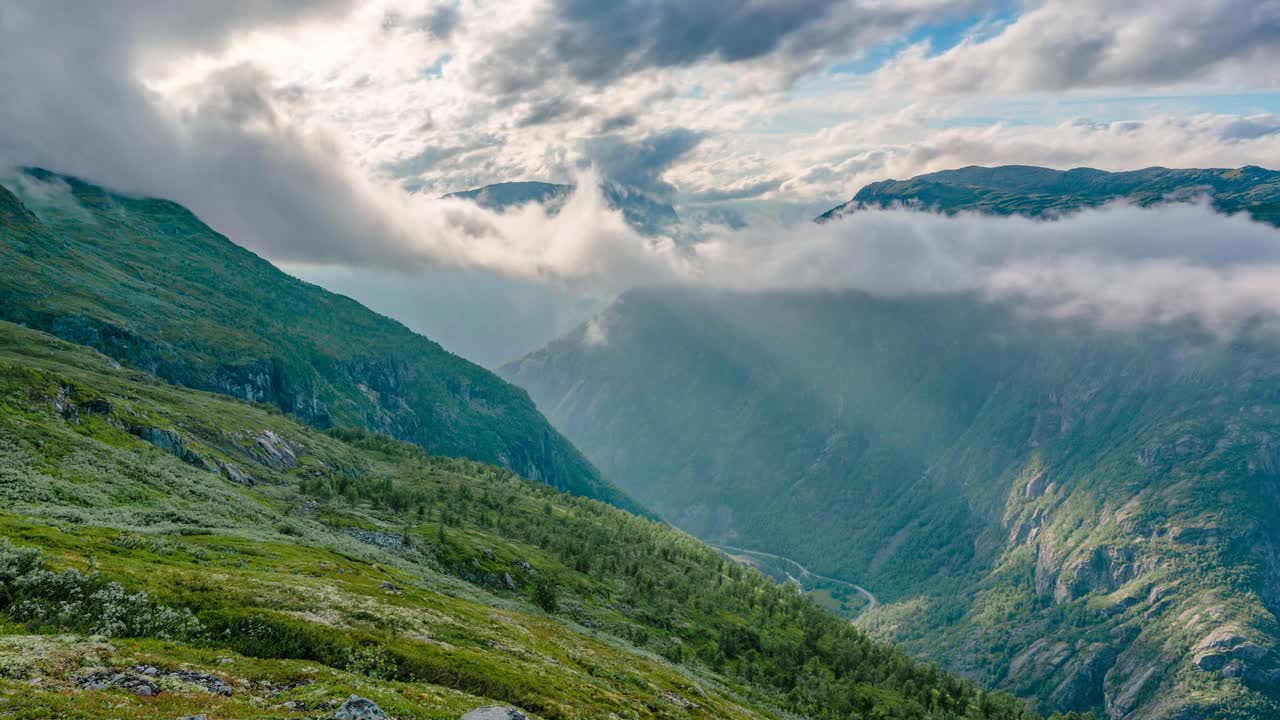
(293, 128)
(1118, 265)
(1067, 44)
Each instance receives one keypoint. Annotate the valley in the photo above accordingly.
(640, 360)
(174, 544)
(1070, 514)
(1076, 515)
(827, 592)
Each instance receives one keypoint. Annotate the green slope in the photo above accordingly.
(1037, 191)
(1085, 518)
(147, 283)
(295, 566)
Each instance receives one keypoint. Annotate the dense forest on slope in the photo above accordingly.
(237, 563)
(1042, 192)
(145, 282)
(1081, 516)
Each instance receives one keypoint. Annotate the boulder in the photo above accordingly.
(358, 708)
(495, 712)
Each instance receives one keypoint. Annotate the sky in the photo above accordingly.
(321, 133)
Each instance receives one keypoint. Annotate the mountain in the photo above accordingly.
(1039, 192)
(166, 552)
(644, 213)
(1083, 517)
(147, 283)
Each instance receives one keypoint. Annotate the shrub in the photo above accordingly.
(372, 661)
(546, 594)
(82, 602)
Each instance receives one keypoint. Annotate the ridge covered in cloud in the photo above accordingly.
(1118, 265)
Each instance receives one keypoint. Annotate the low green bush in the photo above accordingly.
(75, 601)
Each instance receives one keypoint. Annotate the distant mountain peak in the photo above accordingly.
(1044, 192)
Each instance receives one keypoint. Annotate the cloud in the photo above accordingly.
(74, 104)
(295, 127)
(1119, 265)
(1068, 44)
(640, 163)
(597, 332)
(597, 43)
(441, 20)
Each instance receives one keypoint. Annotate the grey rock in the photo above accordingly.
(495, 712)
(1207, 535)
(210, 683)
(170, 441)
(358, 708)
(276, 452)
(1036, 485)
(236, 475)
(1218, 651)
(105, 679)
(384, 540)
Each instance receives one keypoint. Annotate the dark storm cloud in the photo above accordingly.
(441, 21)
(640, 163)
(618, 122)
(601, 39)
(551, 109)
(598, 41)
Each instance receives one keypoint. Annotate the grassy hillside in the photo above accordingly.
(1083, 517)
(1037, 191)
(230, 561)
(145, 282)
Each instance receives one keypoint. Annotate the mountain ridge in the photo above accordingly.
(146, 282)
(1044, 192)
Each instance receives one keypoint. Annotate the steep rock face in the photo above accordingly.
(146, 283)
(996, 479)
